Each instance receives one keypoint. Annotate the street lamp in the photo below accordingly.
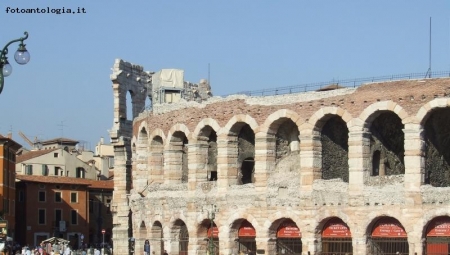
(22, 57)
(211, 217)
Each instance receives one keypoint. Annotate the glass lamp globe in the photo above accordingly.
(7, 69)
(22, 56)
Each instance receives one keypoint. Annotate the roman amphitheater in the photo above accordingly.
(338, 170)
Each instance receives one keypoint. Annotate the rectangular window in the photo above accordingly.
(41, 216)
(58, 197)
(58, 217)
(91, 205)
(108, 206)
(79, 172)
(21, 196)
(111, 162)
(55, 155)
(41, 196)
(29, 170)
(74, 217)
(44, 170)
(74, 197)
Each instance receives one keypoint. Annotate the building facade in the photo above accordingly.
(65, 207)
(57, 162)
(8, 150)
(346, 171)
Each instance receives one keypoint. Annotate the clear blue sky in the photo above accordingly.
(249, 45)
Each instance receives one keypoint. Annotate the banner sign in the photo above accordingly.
(336, 228)
(388, 228)
(246, 230)
(289, 230)
(214, 231)
(439, 227)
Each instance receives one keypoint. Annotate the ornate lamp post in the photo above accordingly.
(211, 217)
(22, 57)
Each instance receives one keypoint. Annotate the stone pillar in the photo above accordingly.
(226, 162)
(140, 172)
(310, 159)
(308, 243)
(156, 165)
(156, 241)
(120, 207)
(197, 154)
(264, 160)
(414, 163)
(358, 158)
(359, 244)
(172, 166)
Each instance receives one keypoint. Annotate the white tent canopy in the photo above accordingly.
(54, 240)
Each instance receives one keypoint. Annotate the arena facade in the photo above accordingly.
(337, 171)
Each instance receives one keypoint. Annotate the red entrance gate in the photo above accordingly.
(336, 238)
(438, 236)
(388, 238)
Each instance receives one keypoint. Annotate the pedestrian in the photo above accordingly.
(165, 253)
(146, 247)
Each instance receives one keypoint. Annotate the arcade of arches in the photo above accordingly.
(352, 171)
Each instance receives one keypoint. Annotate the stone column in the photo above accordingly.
(156, 163)
(226, 162)
(310, 159)
(197, 154)
(414, 163)
(172, 166)
(264, 160)
(120, 207)
(358, 158)
(359, 244)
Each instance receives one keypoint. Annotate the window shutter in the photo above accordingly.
(44, 170)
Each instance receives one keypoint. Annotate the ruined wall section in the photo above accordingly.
(126, 78)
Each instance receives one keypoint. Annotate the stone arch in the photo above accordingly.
(176, 155)
(129, 111)
(205, 234)
(202, 124)
(373, 217)
(426, 110)
(156, 156)
(157, 132)
(142, 148)
(436, 129)
(157, 237)
(323, 132)
(271, 124)
(281, 131)
(177, 128)
(231, 137)
(334, 241)
(387, 235)
(246, 243)
(208, 153)
(334, 136)
(179, 234)
(386, 140)
(370, 112)
(240, 118)
(142, 230)
(284, 233)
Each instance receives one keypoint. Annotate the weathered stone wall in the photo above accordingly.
(288, 183)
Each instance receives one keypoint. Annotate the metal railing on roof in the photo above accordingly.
(349, 83)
